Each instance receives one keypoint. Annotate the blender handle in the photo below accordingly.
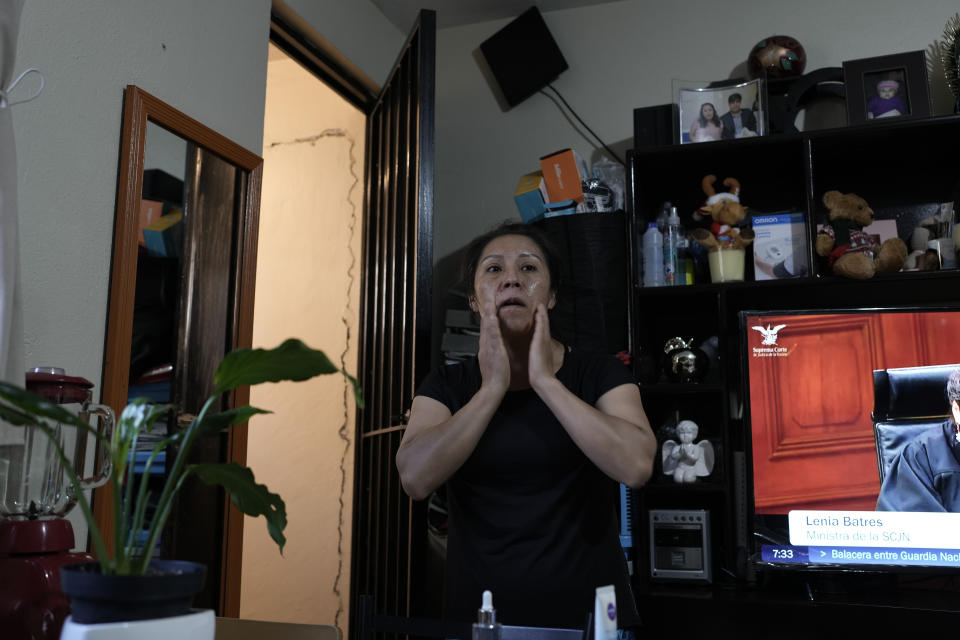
(102, 464)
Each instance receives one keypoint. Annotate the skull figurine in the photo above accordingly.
(683, 362)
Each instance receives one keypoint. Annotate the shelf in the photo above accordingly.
(680, 389)
(669, 487)
(903, 278)
(777, 173)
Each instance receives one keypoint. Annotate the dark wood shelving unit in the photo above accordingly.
(894, 166)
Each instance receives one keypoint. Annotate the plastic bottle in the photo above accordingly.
(652, 256)
(662, 218)
(671, 247)
(486, 627)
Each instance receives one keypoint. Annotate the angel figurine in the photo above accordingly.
(686, 460)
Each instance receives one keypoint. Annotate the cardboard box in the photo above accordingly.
(562, 176)
(150, 211)
(554, 209)
(531, 196)
(881, 230)
(164, 236)
(780, 246)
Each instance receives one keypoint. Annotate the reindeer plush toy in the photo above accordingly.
(726, 212)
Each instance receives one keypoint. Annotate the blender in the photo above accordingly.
(35, 495)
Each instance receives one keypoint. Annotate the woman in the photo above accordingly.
(529, 438)
(707, 125)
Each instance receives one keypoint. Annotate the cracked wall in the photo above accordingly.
(307, 287)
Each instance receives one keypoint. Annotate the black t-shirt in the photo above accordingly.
(530, 516)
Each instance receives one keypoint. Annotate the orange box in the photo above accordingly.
(562, 176)
(150, 210)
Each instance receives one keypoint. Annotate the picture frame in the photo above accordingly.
(892, 86)
(692, 100)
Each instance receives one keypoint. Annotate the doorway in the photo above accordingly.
(308, 286)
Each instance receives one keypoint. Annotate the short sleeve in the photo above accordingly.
(590, 375)
(452, 385)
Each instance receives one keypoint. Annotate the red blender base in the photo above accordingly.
(32, 607)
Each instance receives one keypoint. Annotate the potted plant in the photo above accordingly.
(169, 585)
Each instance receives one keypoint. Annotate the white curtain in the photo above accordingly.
(11, 308)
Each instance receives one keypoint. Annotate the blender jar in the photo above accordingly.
(33, 482)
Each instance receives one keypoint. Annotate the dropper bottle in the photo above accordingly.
(486, 627)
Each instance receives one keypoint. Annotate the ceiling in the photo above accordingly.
(453, 13)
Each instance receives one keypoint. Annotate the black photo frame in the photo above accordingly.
(884, 87)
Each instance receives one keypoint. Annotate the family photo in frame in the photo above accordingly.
(893, 86)
(709, 112)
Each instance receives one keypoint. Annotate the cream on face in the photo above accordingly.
(512, 273)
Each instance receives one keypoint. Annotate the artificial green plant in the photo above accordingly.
(292, 360)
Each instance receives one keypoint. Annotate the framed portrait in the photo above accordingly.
(723, 110)
(892, 86)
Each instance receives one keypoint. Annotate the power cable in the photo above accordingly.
(585, 126)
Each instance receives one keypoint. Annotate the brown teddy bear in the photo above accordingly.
(851, 253)
(725, 210)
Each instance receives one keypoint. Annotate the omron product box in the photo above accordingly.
(780, 246)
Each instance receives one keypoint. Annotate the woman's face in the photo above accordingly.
(707, 111)
(512, 273)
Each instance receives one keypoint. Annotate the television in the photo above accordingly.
(813, 474)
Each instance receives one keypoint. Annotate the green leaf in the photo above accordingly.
(292, 360)
(212, 424)
(16, 417)
(248, 496)
(31, 403)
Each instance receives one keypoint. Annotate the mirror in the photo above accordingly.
(181, 296)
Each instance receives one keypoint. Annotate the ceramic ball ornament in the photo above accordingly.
(777, 57)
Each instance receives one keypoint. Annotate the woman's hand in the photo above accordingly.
(540, 366)
(492, 353)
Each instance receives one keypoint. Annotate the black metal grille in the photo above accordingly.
(389, 529)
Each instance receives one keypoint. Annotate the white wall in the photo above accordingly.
(207, 59)
(624, 55)
(68, 141)
(308, 284)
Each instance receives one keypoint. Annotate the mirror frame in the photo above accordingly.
(139, 108)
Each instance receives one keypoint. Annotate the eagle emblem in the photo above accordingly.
(769, 334)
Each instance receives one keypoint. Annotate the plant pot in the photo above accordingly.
(166, 590)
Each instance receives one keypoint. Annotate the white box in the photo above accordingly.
(780, 246)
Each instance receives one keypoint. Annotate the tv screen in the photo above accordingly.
(816, 467)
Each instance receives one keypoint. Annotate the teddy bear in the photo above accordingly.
(726, 213)
(850, 252)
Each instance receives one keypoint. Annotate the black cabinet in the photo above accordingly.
(900, 168)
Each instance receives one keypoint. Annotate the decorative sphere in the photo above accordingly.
(776, 57)
(683, 362)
